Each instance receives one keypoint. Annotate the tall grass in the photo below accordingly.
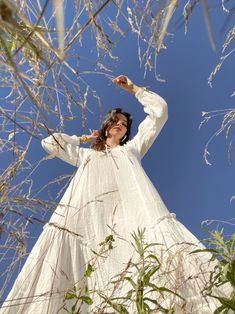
(223, 250)
(137, 288)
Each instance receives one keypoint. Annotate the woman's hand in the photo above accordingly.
(125, 83)
(90, 138)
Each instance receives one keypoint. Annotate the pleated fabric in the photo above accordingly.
(111, 195)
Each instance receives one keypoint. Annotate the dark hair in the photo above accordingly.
(109, 119)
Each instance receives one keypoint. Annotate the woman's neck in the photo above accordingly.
(112, 142)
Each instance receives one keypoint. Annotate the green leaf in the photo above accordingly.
(204, 250)
(227, 302)
(108, 241)
(139, 241)
(89, 270)
(70, 295)
(73, 308)
(150, 273)
(94, 252)
(219, 236)
(13, 46)
(150, 245)
(155, 302)
(86, 299)
(129, 294)
(153, 286)
(131, 281)
(219, 309)
(120, 308)
(168, 290)
(153, 257)
(146, 308)
(231, 273)
(223, 262)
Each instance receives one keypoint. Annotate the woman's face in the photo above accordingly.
(119, 127)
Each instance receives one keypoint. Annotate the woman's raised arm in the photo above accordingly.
(157, 114)
(65, 147)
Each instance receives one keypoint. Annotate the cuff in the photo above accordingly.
(140, 92)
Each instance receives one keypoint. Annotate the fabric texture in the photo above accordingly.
(110, 195)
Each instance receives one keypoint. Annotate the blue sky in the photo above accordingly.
(189, 188)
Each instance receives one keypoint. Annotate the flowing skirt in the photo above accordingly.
(92, 256)
(93, 271)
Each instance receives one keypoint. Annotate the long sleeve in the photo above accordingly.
(157, 114)
(64, 147)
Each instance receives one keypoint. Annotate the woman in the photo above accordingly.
(110, 195)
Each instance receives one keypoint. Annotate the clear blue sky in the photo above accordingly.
(189, 187)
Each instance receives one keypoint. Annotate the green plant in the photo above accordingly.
(139, 275)
(224, 271)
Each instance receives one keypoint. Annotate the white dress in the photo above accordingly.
(110, 194)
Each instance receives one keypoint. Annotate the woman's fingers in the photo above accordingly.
(121, 79)
(95, 133)
(124, 82)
